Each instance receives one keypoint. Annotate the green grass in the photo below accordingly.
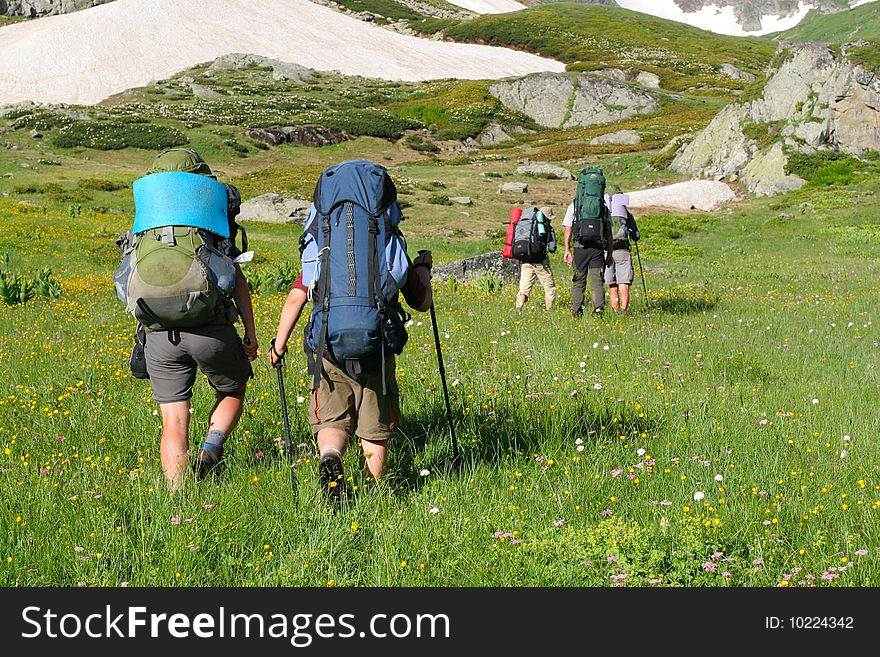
(714, 373)
(859, 23)
(589, 37)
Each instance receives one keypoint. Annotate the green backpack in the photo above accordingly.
(175, 277)
(590, 213)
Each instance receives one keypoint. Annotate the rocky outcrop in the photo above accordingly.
(281, 71)
(557, 100)
(493, 134)
(545, 170)
(506, 269)
(813, 100)
(276, 209)
(35, 8)
(304, 135)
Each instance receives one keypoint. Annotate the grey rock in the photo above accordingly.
(313, 136)
(280, 70)
(513, 187)
(615, 74)
(556, 100)
(649, 80)
(273, 208)
(621, 137)
(36, 134)
(506, 269)
(493, 134)
(35, 8)
(765, 173)
(461, 200)
(732, 71)
(822, 100)
(544, 169)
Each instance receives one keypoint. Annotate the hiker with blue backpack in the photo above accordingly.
(619, 274)
(354, 266)
(180, 279)
(587, 240)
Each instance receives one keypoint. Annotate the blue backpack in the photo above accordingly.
(356, 254)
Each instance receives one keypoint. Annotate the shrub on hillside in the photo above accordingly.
(109, 136)
(370, 123)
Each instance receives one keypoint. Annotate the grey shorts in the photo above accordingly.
(173, 357)
(621, 272)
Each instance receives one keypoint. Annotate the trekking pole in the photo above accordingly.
(642, 272)
(279, 366)
(456, 456)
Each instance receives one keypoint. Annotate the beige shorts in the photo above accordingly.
(356, 406)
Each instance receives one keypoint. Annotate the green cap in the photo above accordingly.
(181, 159)
(613, 189)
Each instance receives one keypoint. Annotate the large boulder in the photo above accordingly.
(493, 134)
(275, 209)
(765, 174)
(282, 71)
(513, 188)
(506, 269)
(546, 170)
(557, 100)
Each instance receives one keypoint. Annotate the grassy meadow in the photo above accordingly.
(723, 433)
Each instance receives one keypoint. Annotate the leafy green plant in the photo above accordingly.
(277, 277)
(16, 289)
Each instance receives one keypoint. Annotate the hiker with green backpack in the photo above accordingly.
(587, 240)
(180, 279)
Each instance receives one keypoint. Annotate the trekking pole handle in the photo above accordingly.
(280, 357)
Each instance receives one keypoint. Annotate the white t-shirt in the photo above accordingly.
(568, 221)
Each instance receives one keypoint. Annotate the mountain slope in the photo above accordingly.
(859, 23)
(129, 43)
(590, 37)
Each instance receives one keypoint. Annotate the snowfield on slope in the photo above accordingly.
(86, 56)
(688, 195)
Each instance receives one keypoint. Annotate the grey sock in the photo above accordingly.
(215, 437)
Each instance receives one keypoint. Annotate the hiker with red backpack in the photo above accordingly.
(354, 265)
(180, 279)
(530, 238)
(588, 240)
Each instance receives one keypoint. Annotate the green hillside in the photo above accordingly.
(859, 23)
(589, 37)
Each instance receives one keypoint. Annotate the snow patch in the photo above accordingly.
(86, 56)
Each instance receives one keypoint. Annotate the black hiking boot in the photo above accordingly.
(209, 459)
(332, 478)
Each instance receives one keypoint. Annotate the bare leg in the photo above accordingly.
(174, 449)
(615, 301)
(373, 457)
(332, 440)
(624, 297)
(227, 410)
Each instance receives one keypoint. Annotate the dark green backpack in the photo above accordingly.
(175, 277)
(590, 213)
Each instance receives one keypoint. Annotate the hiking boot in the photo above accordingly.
(332, 478)
(209, 459)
